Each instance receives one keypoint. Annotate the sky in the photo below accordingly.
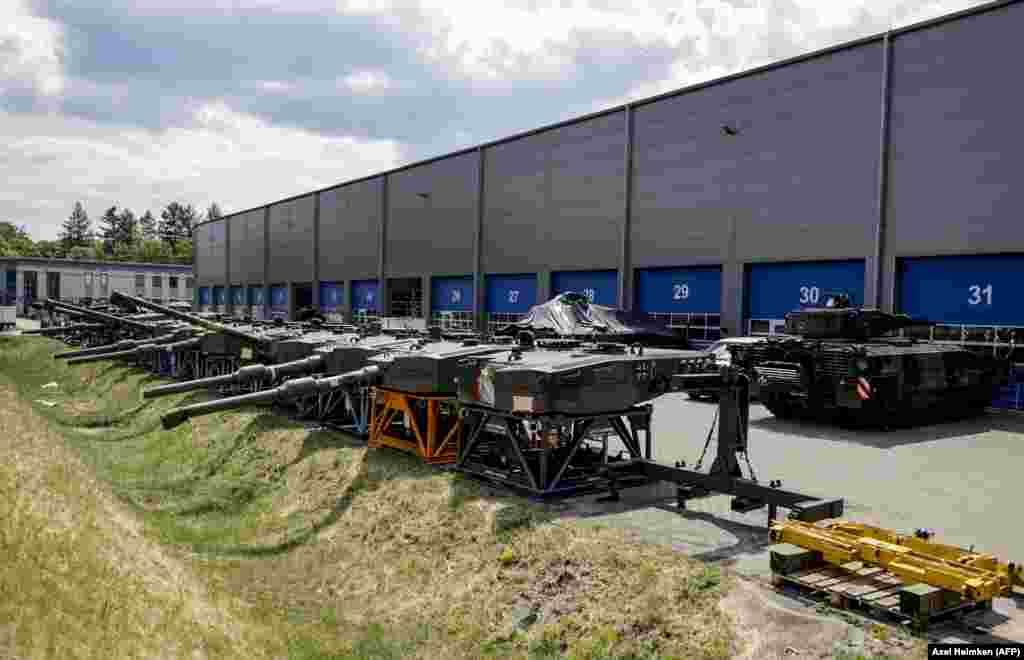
(138, 103)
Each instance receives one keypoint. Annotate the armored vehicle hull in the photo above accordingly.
(874, 382)
(581, 381)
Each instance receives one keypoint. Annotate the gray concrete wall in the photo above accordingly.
(291, 241)
(431, 218)
(555, 200)
(957, 155)
(246, 253)
(209, 240)
(350, 218)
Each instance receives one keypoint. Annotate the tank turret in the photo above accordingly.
(139, 327)
(839, 319)
(191, 319)
(287, 392)
(836, 361)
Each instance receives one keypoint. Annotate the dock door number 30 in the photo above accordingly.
(809, 295)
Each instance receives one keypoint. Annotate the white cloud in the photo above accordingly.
(275, 86)
(31, 52)
(224, 156)
(366, 82)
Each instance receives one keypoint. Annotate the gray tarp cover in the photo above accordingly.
(571, 315)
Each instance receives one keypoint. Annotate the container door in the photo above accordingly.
(204, 299)
(365, 300)
(219, 299)
(508, 297)
(331, 297)
(279, 301)
(601, 287)
(773, 290)
(451, 302)
(238, 301)
(257, 302)
(687, 299)
(974, 302)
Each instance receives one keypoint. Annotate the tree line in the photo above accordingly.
(119, 235)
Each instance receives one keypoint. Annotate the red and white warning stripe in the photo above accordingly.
(863, 389)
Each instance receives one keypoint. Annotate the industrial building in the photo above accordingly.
(72, 280)
(886, 168)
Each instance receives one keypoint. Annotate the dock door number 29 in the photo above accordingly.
(680, 291)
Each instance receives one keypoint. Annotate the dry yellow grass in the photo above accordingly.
(79, 580)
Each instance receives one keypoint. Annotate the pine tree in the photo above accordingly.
(128, 228)
(110, 224)
(147, 225)
(176, 223)
(76, 230)
(213, 212)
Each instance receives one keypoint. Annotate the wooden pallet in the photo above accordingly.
(855, 586)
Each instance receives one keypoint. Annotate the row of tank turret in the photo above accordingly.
(836, 359)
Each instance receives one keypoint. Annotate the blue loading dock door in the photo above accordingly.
(204, 296)
(364, 296)
(688, 298)
(279, 299)
(777, 288)
(976, 301)
(238, 296)
(600, 286)
(330, 296)
(971, 290)
(218, 297)
(256, 301)
(510, 294)
(451, 294)
(256, 295)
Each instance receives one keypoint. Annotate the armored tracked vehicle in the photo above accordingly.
(842, 361)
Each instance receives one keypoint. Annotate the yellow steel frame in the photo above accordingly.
(437, 443)
(975, 576)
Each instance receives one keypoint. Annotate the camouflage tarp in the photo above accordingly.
(572, 315)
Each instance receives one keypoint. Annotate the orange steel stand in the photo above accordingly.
(415, 423)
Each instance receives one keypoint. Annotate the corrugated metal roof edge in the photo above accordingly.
(863, 41)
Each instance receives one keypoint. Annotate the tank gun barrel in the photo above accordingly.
(187, 318)
(141, 349)
(247, 374)
(119, 346)
(59, 330)
(103, 317)
(287, 391)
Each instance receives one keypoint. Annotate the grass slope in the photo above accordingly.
(335, 551)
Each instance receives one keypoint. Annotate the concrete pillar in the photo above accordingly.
(426, 303)
(544, 292)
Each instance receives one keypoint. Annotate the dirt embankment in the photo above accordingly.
(276, 540)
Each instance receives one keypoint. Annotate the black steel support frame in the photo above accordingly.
(725, 477)
(537, 478)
